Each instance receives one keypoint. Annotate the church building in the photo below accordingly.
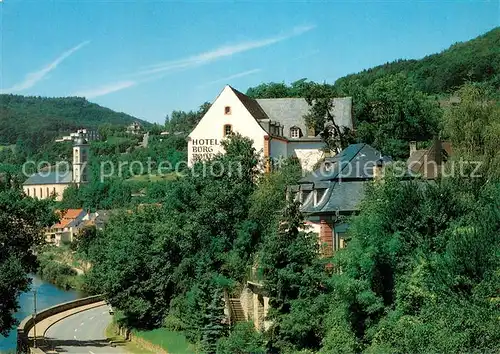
(276, 126)
(45, 184)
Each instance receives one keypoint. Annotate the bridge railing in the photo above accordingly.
(27, 324)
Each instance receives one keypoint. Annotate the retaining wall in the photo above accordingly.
(25, 326)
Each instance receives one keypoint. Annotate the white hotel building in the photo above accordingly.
(276, 126)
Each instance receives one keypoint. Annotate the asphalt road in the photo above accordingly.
(83, 332)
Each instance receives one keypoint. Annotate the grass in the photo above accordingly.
(121, 342)
(117, 139)
(153, 178)
(171, 341)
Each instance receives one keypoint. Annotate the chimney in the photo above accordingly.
(378, 169)
(413, 147)
(438, 151)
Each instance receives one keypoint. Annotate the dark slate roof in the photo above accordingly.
(251, 105)
(290, 112)
(354, 162)
(341, 180)
(343, 197)
(50, 178)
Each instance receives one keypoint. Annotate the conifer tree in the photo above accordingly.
(216, 326)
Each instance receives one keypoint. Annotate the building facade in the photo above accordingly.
(46, 184)
(70, 224)
(335, 190)
(88, 134)
(276, 127)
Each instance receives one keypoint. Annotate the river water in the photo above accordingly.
(47, 295)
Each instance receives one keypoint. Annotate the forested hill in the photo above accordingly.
(477, 60)
(38, 119)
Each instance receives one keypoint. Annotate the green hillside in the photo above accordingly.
(477, 60)
(37, 120)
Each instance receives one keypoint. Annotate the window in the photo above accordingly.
(227, 110)
(318, 195)
(48, 193)
(54, 191)
(28, 190)
(295, 132)
(34, 192)
(228, 129)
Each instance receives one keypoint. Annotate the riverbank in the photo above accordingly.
(48, 295)
(61, 267)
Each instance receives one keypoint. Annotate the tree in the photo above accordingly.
(473, 126)
(294, 279)
(269, 198)
(22, 221)
(181, 121)
(321, 119)
(72, 198)
(158, 262)
(216, 322)
(404, 277)
(394, 113)
(243, 339)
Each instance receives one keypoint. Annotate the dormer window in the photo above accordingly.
(227, 110)
(228, 129)
(295, 132)
(318, 195)
(304, 195)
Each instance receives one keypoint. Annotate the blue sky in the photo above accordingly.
(147, 58)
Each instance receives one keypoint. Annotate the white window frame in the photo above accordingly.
(295, 132)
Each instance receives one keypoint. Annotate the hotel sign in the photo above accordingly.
(204, 149)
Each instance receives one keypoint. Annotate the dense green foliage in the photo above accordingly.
(184, 122)
(420, 273)
(22, 220)
(242, 339)
(163, 264)
(198, 241)
(215, 327)
(295, 279)
(477, 60)
(37, 120)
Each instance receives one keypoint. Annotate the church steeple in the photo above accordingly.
(80, 160)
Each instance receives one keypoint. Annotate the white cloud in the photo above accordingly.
(105, 89)
(157, 71)
(225, 51)
(231, 77)
(31, 79)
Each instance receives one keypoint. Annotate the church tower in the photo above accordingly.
(80, 160)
